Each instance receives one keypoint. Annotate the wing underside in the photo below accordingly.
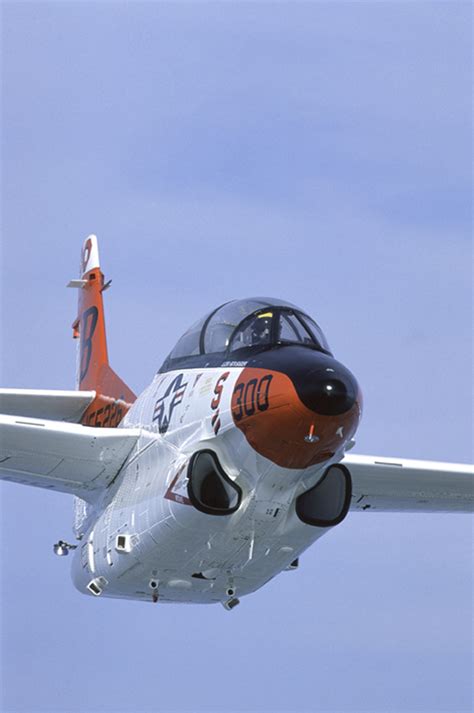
(400, 485)
(62, 456)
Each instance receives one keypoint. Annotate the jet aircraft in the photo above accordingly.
(231, 463)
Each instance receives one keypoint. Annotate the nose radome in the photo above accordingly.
(328, 390)
(299, 413)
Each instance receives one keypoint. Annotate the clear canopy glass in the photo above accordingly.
(240, 324)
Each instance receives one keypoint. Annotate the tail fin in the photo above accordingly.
(113, 397)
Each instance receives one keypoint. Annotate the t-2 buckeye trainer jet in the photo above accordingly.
(224, 470)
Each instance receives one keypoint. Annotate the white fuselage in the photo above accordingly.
(167, 540)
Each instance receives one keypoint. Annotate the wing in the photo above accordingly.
(62, 456)
(398, 485)
(52, 405)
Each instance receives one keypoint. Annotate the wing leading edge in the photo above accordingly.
(62, 456)
(400, 485)
(48, 404)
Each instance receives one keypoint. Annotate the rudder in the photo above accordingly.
(113, 396)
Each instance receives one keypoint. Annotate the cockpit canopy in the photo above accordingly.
(254, 322)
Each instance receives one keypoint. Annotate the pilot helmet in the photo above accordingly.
(261, 327)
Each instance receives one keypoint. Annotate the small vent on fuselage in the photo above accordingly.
(96, 586)
(209, 488)
(123, 543)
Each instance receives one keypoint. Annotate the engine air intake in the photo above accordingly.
(209, 488)
(327, 503)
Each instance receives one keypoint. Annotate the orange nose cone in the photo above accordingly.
(271, 414)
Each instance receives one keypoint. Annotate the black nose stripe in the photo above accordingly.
(323, 384)
(329, 393)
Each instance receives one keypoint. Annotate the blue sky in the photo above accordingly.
(319, 152)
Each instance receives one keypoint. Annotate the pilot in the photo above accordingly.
(261, 329)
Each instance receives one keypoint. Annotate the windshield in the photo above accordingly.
(252, 322)
(254, 331)
(224, 321)
(316, 331)
(291, 329)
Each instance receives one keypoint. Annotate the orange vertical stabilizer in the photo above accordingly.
(113, 396)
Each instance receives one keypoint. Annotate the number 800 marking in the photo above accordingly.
(251, 397)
